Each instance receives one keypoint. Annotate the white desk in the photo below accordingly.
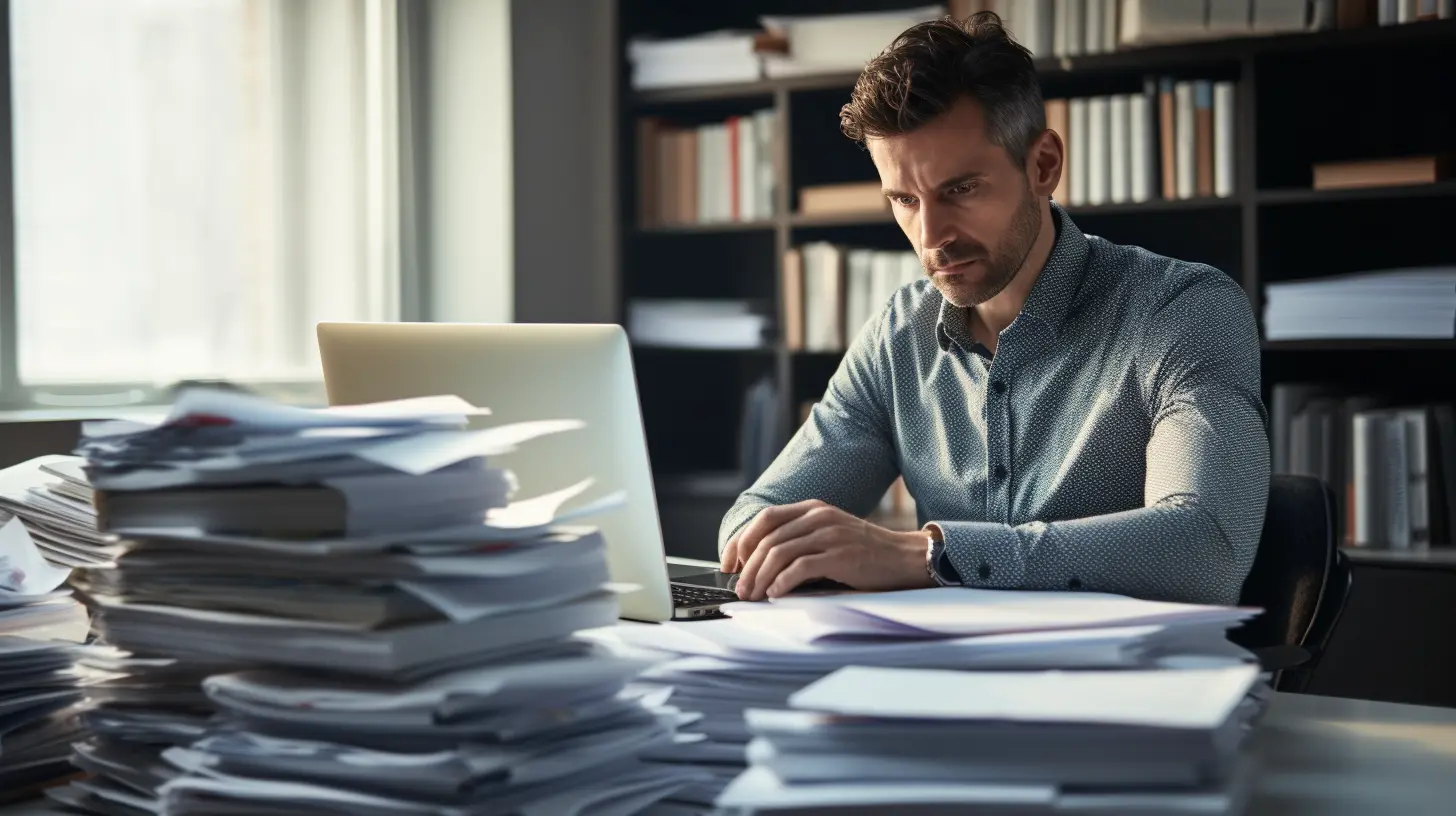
(1318, 755)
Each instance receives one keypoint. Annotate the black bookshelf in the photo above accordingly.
(1301, 99)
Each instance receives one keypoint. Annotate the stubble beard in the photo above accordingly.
(1000, 268)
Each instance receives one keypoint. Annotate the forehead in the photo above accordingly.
(952, 143)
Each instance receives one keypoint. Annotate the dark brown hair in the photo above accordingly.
(932, 65)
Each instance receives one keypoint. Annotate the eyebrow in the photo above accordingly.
(955, 182)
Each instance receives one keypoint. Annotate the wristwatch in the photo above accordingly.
(935, 563)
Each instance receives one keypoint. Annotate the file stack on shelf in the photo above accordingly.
(764, 652)
(1030, 742)
(52, 496)
(1175, 140)
(715, 324)
(1398, 303)
(713, 58)
(388, 632)
(837, 43)
(42, 629)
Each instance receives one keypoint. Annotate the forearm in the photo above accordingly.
(1175, 550)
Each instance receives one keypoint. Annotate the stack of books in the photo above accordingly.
(313, 653)
(1399, 303)
(831, 292)
(42, 632)
(705, 173)
(761, 655)
(52, 495)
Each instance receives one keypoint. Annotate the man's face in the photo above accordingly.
(965, 206)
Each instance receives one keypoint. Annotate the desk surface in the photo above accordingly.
(1318, 755)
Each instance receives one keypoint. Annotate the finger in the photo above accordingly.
(730, 555)
(778, 558)
(768, 520)
(807, 568)
(816, 518)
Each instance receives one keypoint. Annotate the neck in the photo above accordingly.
(998, 312)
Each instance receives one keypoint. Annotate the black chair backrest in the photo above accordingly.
(1298, 568)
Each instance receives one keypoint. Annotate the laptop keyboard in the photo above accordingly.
(700, 596)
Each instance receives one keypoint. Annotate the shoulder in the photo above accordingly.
(911, 314)
(1155, 286)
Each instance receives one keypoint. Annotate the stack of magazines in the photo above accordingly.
(344, 612)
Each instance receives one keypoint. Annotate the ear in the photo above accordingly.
(1044, 162)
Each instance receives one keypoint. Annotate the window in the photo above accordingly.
(196, 184)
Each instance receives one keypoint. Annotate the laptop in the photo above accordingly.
(523, 371)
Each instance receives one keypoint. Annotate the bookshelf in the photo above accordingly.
(1301, 98)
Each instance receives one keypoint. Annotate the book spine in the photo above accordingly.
(1366, 440)
(1076, 27)
(1092, 31)
(1059, 27)
(792, 300)
(1166, 132)
(1099, 150)
(1397, 484)
(1077, 153)
(1142, 156)
(1203, 137)
(1185, 140)
(1223, 139)
(1120, 160)
(734, 164)
(1109, 25)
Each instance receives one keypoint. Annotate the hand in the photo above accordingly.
(785, 546)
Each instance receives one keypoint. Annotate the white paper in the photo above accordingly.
(952, 611)
(760, 788)
(257, 413)
(23, 570)
(432, 450)
(1193, 698)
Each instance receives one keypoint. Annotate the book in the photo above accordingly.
(1203, 137)
(1167, 121)
(1142, 136)
(1381, 172)
(1079, 158)
(1120, 148)
(1099, 150)
(792, 300)
(842, 198)
(1185, 140)
(1223, 139)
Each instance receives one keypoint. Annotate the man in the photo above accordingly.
(1068, 413)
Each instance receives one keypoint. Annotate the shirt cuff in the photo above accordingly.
(985, 553)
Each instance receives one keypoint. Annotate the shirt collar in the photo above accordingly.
(1050, 299)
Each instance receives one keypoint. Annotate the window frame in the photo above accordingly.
(395, 139)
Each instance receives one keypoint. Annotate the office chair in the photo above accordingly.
(1300, 579)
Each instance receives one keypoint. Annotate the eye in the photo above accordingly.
(963, 189)
(904, 200)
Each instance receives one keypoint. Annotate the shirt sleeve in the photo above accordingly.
(1207, 478)
(844, 454)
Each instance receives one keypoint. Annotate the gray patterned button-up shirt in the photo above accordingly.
(1115, 442)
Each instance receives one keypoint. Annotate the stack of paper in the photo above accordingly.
(41, 627)
(704, 59)
(763, 653)
(834, 43)
(1165, 740)
(379, 670)
(1400, 303)
(52, 495)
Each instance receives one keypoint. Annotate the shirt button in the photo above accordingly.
(999, 386)
(984, 571)
(999, 471)
(1074, 583)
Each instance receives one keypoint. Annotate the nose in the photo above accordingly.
(936, 228)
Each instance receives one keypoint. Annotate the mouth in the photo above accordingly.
(955, 269)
